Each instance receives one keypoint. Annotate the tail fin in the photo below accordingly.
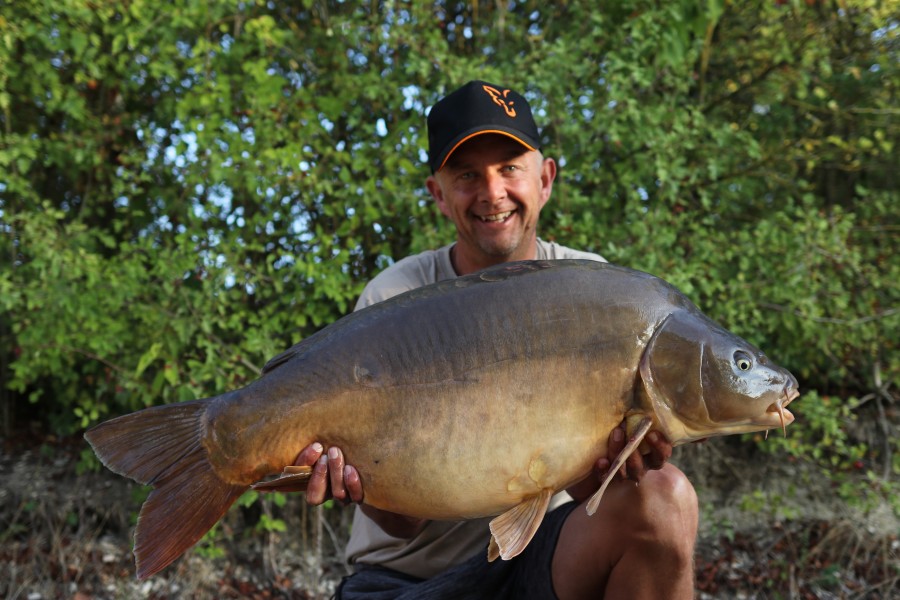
(162, 447)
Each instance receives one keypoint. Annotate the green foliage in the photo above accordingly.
(775, 506)
(269, 523)
(188, 188)
(830, 437)
(210, 545)
(825, 435)
(720, 527)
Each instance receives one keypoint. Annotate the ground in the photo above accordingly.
(770, 528)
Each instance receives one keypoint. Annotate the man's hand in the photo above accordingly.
(331, 478)
(635, 467)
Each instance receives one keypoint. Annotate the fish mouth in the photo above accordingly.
(779, 407)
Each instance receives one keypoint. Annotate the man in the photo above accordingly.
(491, 180)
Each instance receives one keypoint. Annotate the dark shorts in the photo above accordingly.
(527, 576)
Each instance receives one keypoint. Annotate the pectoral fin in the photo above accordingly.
(632, 445)
(293, 479)
(512, 530)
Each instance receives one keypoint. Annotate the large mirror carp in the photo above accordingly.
(477, 396)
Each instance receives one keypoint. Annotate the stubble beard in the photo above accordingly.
(499, 249)
(505, 247)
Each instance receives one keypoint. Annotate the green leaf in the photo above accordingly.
(148, 357)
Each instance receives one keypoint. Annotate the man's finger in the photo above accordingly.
(660, 451)
(309, 455)
(602, 466)
(353, 483)
(634, 466)
(317, 489)
(616, 442)
(336, 471)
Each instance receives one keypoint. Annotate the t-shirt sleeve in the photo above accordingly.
(407, 274)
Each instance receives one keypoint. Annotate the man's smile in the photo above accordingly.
(496, 217)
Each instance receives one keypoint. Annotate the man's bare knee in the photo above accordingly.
(640, 543)
(658, 552)
(668, 502)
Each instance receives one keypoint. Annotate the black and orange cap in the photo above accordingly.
(475, 109)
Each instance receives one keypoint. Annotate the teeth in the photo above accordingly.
(497, 217)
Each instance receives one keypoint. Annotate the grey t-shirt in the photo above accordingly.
(441, 544)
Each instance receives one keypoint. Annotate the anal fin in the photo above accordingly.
(511, 531)
(294, 478)
(636, 438)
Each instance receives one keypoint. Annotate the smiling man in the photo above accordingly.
(491, 180)
(488, 177)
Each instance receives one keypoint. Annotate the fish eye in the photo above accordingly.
(743, 361)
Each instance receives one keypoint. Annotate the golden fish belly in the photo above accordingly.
(468, 447)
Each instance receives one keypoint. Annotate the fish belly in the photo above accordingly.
(476, 445)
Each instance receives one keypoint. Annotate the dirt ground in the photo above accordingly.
(770, 528)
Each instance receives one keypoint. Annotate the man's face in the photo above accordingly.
(493, 189)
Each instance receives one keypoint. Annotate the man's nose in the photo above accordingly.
(494, 187)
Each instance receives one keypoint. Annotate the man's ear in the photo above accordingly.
(548, 175)
(434, 188)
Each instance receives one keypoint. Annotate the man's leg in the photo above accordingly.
(639, 544)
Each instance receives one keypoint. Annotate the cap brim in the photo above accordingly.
(468, 135)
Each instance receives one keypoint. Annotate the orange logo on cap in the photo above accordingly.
(500, 99)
